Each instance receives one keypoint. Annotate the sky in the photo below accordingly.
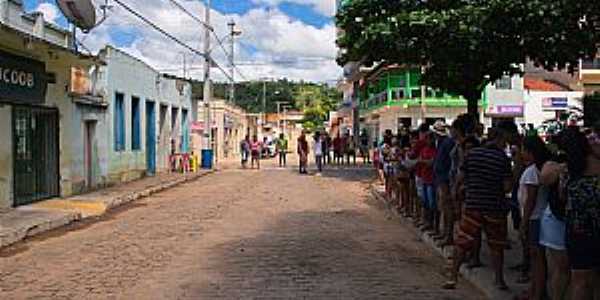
(280, 38)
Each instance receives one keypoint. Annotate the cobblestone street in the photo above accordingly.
(268, 234)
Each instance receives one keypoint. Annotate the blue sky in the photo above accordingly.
(303, 12)
(273, 31)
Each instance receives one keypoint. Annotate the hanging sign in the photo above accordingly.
(22, 80)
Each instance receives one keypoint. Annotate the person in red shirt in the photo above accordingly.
(415, 153)
(426, 158)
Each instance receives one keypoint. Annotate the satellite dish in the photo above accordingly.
(81, 13)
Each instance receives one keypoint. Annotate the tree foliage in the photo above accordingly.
(315, 100)
(466, 44)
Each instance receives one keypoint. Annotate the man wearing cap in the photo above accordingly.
(442, 166)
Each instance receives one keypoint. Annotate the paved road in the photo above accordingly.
(269, 234)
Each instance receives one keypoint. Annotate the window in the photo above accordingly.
(136, 143)
(119, 122)
(415, 93)
(504, 83)
(174, 115)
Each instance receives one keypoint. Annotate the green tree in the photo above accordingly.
(466, 44)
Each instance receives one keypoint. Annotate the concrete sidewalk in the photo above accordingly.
(26, 221)
(483, 277)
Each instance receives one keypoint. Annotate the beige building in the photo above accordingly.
(230, 124)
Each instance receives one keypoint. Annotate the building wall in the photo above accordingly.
(58, 61)
(6, 161)
(535, 113)
(133, 78)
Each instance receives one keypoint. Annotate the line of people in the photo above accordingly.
(458, 185)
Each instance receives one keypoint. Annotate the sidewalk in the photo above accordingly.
(483, 277)
(26, 221)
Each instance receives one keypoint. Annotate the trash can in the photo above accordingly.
(207, 159)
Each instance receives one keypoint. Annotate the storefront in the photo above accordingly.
(32, 129)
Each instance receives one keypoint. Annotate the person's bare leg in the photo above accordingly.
(457, 261)
(498, 265)
(558, 273)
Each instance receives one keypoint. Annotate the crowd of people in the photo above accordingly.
(459, 185)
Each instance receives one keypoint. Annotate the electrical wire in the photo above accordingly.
(172, 37)
(219, 40)
(191, 15)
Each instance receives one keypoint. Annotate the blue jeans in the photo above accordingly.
(429, 200)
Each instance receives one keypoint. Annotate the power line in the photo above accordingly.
(191, 15)
(170, 36)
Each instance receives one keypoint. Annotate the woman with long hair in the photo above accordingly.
(583, 211)
(533, 199)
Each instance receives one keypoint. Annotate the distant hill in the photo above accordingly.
(300, 95)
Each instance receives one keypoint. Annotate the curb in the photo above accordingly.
(54, 214)
(480, 278)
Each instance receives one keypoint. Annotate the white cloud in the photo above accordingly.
(282, 46)
(50, 11)
(324, 7)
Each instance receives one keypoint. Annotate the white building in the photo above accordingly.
(148, 119)
(545, 100)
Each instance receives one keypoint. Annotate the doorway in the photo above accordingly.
(89, 155)
(150, 138)
(35, 154)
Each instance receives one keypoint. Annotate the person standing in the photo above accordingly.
(533, 199)
(337, 149)
(427, 156)
(350, 149)
(282, 150)
(303, 152)
(442, 167)
(488, 177)
(582, 211)
(255, 149)
(364, 147)
(326, 148)
(318, 150)
(245, 151)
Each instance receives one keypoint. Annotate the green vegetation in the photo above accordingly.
(466, 45)
(315, 100)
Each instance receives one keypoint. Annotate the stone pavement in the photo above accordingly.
(483, 277)
(269, 234)
(30, 220)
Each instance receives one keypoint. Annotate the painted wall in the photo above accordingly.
(6, 161)
(133, 78)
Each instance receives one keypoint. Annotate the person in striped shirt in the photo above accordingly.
(487, 179)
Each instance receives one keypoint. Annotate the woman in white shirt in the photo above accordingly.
(318, 150)
(533, 200)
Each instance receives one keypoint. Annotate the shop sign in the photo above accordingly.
(506, 111)
(555, 103)
(22, 80)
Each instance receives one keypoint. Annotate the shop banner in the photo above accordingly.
(555, 103)
(22, 80)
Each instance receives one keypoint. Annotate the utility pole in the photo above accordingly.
(207, 84)
(264, 102)
(231, 25)
(279, 103)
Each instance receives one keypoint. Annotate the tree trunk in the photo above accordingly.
(473, 104)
